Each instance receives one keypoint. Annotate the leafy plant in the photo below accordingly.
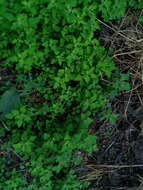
(59, 67)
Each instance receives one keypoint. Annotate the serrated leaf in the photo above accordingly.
(8, 101)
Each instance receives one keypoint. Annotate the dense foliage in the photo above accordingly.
(54, 68)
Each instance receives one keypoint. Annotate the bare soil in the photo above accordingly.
(118, 164)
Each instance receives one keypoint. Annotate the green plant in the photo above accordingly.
(58, 66)
(10, 99)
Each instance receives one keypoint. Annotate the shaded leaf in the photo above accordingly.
(8, 101)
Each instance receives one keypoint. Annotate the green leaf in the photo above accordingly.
(141, 19)
(9, 101)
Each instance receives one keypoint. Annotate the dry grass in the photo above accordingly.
(126, 41)
(125, 38)
(96, 172)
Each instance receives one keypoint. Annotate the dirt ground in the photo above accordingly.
(118, 164)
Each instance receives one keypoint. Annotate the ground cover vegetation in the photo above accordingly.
(118, 162)
(55, 77)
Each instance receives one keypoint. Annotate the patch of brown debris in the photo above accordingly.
(119, 162)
